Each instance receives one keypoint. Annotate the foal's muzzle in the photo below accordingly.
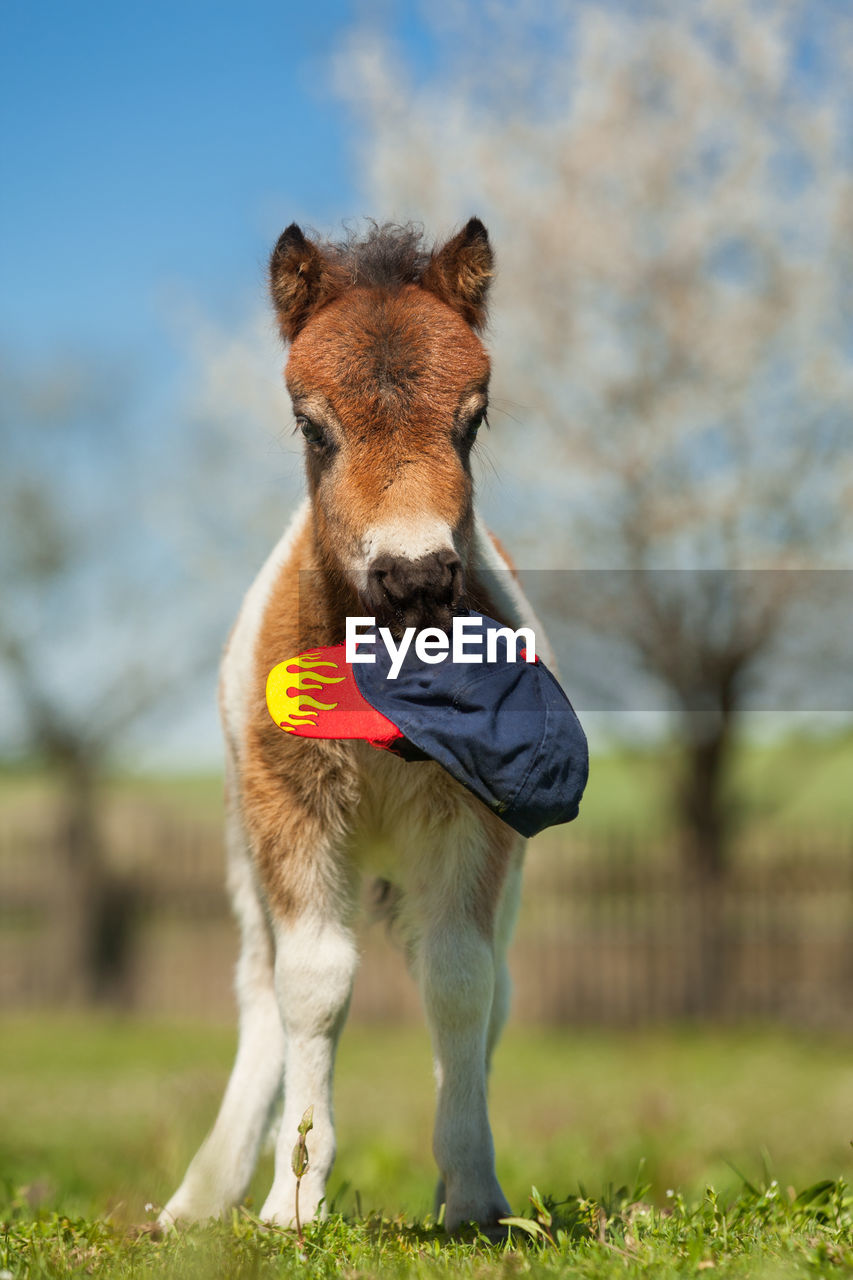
(415, 593)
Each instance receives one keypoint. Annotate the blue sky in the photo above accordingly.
(160, 146)
(152, 153)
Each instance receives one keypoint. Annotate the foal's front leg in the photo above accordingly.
(456, 970)
(314, 968)
(220, 1172)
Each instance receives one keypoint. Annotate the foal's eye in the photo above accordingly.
(474, 426)
(312, 433)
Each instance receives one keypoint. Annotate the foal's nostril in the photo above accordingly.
(453, 569)
(418, 591)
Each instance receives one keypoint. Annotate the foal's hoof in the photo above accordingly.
(485, 1223)
(178, 1215)
(494, 1232)
(146, 1231)
(166, 1223)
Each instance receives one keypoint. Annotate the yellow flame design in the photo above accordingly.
(292, 710)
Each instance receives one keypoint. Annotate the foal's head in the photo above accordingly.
(389, 385)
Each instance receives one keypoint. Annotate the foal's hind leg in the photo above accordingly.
(505, 918)
(220, 1172)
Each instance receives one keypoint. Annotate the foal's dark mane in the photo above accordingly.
(388, 256)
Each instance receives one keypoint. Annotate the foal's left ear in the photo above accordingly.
(301, 279)
(460, 272)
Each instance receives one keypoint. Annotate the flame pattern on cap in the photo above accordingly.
(289, 692)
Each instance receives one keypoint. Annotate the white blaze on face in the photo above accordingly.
(404, 539)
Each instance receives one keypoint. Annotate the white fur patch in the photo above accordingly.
(223, 1167)
(238, 661)
(404, 539)
(505, 590)
(314, 968)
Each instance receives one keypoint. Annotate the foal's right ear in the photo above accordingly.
(301, 280)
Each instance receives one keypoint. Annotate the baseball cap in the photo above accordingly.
(502, 728)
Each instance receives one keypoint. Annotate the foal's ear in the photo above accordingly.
(459, 273)
(301, 279)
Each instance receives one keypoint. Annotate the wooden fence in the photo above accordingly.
(609, 932)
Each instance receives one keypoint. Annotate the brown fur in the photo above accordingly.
(305, 275)
(460, 273)
(383, 356)
(301, 279)
(296, 792)
(393, 372)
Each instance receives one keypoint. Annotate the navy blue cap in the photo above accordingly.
(504, 729)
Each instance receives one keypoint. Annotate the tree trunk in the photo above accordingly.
(705, 823)
(94, 911)
(705, 830)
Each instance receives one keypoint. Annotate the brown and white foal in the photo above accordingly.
(389, 383)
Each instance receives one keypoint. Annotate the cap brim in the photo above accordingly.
(314, 695)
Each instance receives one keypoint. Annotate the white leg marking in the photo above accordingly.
(504, 925)
(314, 969)
(220, 1172)
(454, 962)
(457, 981)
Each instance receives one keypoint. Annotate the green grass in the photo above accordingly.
(796, 785)
(623, 1132)
(760, 1234)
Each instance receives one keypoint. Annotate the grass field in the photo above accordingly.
(799, 784)
(99, 1117)
(661, 1153)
